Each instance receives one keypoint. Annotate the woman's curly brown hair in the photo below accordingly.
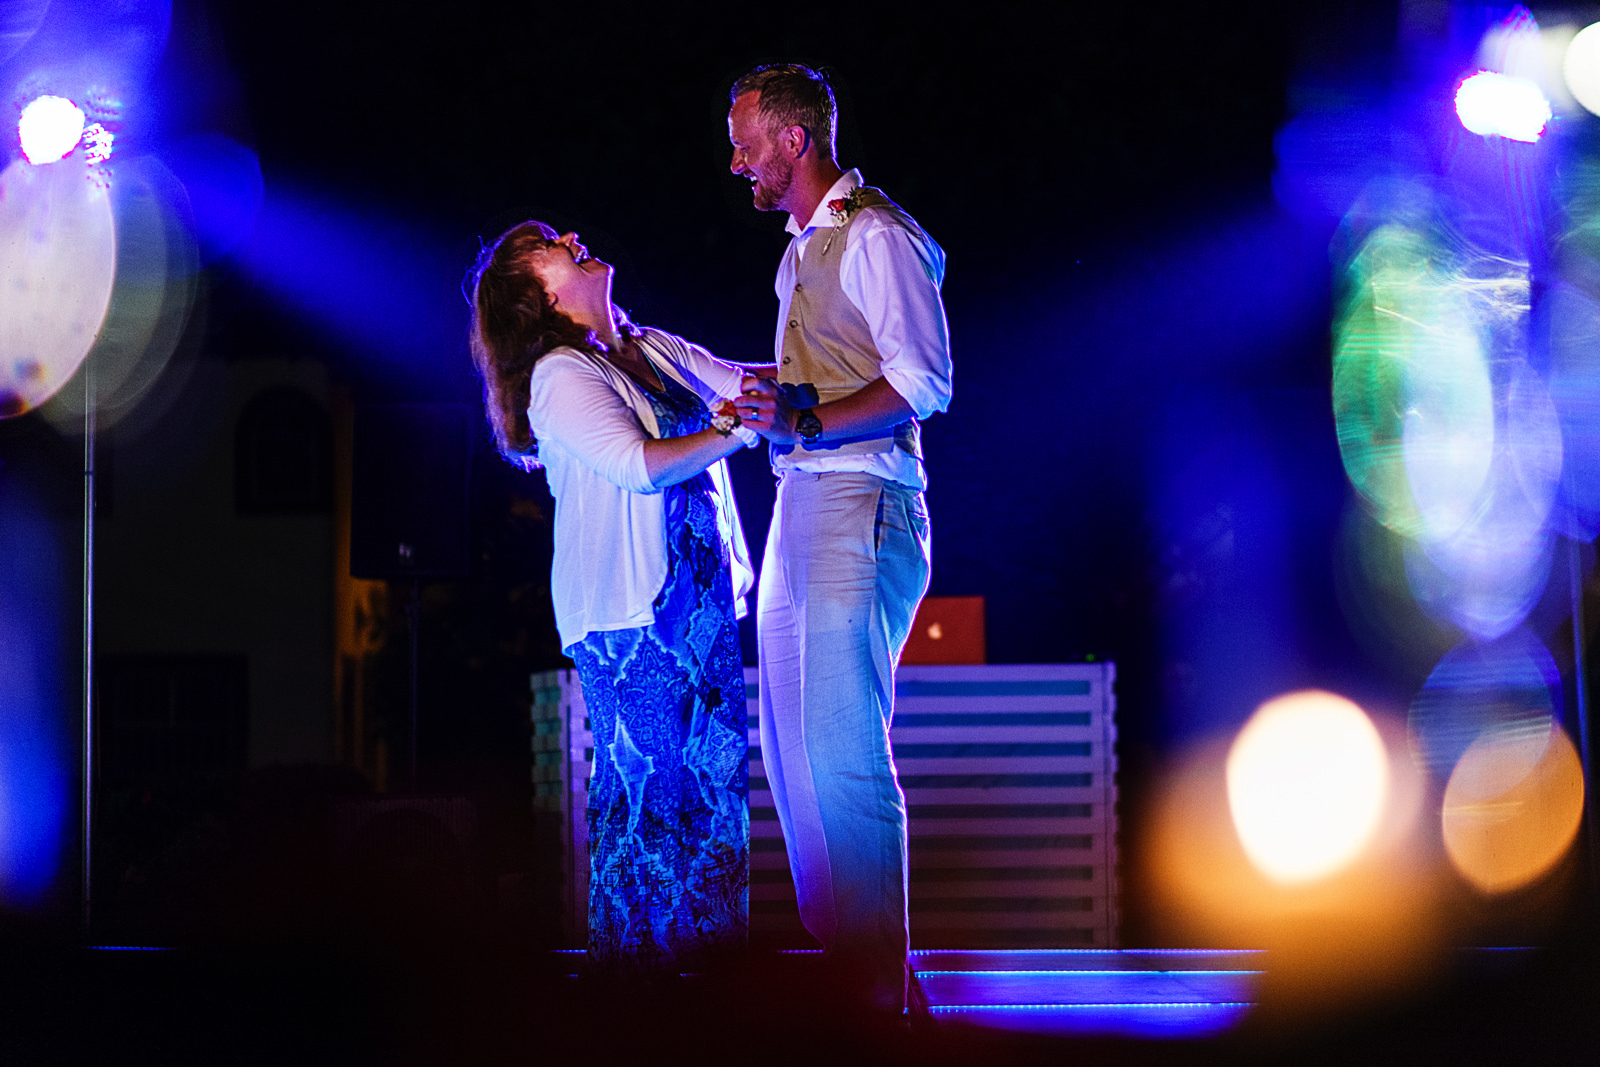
(513, 325)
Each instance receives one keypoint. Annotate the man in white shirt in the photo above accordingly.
(863, 354)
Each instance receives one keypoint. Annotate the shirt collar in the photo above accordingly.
(849, 180)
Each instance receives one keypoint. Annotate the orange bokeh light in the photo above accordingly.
(1512, 807)
(1308, 783)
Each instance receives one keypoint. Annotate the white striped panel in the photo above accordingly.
(969, 812)
(970, 815)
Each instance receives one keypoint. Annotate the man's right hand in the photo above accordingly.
(763, 409)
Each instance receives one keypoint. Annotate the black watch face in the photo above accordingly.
(808, 426)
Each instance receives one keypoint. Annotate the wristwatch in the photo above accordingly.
(808, 426)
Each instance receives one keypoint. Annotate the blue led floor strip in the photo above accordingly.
(942, 1009)
(1164, 972)
(1163, 1022)
(1088, 952)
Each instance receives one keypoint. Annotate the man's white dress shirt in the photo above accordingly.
(892, 275)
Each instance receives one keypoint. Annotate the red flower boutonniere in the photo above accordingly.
(841, 208)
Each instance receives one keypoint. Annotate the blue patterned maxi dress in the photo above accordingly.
(669, 819)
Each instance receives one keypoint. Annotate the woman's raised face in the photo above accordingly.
(569, 274)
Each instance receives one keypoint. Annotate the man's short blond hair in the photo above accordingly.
(793, 95)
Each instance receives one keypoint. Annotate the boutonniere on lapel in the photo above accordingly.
(841, 208)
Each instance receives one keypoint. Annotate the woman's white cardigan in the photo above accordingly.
(591, 421)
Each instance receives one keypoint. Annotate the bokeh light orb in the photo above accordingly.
(49, 129)
(1581, 68)
(58, 258)
(1572, 321)
(1410, 380)
(1308, 782)
(1508, 687)
(1512, 807)
(1448, 433)
(1490, 103)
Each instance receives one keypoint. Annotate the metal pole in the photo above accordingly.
(1581, 687)
(88, 637)
(415, 611)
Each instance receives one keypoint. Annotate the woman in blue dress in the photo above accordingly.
(649, 575)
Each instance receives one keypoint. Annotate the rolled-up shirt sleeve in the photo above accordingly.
(893, 277)
(573, 406)
(711, 379)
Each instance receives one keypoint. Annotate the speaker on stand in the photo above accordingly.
(409, 505)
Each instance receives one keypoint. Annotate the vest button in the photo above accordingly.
(798, 287)
(786, 359)
(793, 324)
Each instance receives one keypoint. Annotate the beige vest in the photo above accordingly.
(827, 342)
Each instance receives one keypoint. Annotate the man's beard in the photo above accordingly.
(774, 184)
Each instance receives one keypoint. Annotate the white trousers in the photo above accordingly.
(846, 565)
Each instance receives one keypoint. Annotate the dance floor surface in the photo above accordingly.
(1071, 992)
(489, 1000)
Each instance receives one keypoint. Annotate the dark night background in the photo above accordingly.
(1138, 465)
(1139, 334)
(1099, 181)
(1139, 462)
